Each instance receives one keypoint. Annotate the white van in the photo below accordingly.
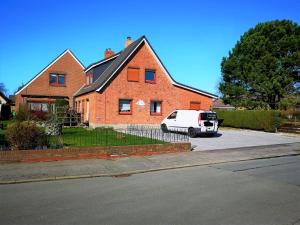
(193, 122)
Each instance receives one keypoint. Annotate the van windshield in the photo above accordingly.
(208, 116)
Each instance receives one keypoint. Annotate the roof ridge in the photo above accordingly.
(46, 67)
(105, 75)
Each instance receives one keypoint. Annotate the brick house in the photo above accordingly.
(59, 80)
(129, 87)
(134, 87)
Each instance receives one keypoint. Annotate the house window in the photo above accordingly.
(125, 106)
(38, 107)
(89, 79)
(133, 74)
(150, 76)
(57, 79)
(195, 105)
(155, 108)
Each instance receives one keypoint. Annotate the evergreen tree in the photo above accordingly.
(264, 66)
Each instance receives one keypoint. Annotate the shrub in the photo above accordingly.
(25, 135)
(23, 114)
(251, 119)
(39, 115)
(5, 112)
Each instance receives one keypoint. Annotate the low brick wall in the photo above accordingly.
(90, 152)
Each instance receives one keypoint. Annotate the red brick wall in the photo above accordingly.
(90, 152)
(74, 79)
(105, 106)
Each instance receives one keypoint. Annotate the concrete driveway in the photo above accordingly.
(236, 138)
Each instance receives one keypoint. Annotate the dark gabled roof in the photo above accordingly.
(120, 60)
(92, 65)
(50, 64)
(4, 97)
(12, 98)
(218, 103)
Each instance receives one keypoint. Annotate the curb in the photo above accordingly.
(129, 173)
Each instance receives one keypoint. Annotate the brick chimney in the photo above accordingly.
(108, 53)
(128, 41)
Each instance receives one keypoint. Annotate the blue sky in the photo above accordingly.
(190, 36)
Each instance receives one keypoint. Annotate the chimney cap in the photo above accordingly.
(128, 37)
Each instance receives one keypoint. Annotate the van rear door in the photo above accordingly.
(209, 121)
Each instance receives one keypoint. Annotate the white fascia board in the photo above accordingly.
(37, 76)
(97, 64)
(170, 78)
(68, 50)
(163, 68)
(159, 63)
(195, 90)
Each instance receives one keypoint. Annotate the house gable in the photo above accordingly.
(122, 58)
(68, 51)
(66, 67)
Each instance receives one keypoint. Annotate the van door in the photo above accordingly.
(209, 121)
(171, 121)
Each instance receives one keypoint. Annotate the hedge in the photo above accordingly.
(251, 119)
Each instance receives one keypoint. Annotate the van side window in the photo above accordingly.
(173, 115)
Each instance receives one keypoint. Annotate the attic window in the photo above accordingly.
(133, 74)
(57, 79)
(89, 79)
(150, 76)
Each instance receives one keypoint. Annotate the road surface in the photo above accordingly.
(250, 192)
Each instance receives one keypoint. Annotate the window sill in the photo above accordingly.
(155, 114)
(57, 85)
(150, 82)
(125, 113)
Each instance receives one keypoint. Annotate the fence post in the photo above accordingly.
(106, 133)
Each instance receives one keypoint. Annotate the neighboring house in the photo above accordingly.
(3, 100)
(134, 87)
(219, 104)
(59, 80)
(12, 99)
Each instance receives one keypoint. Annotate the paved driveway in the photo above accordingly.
(231, 138)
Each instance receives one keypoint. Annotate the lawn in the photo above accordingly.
(80, 137)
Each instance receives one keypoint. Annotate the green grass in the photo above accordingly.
(80, 137)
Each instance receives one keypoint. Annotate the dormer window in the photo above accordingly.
(56, 79)
(89, 79)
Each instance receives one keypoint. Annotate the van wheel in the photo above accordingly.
(164, 128)
(192, 132)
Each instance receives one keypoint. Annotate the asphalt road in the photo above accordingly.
(235, 138)
(251, 192)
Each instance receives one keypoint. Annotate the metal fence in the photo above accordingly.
(157, 134)
(107, 136)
